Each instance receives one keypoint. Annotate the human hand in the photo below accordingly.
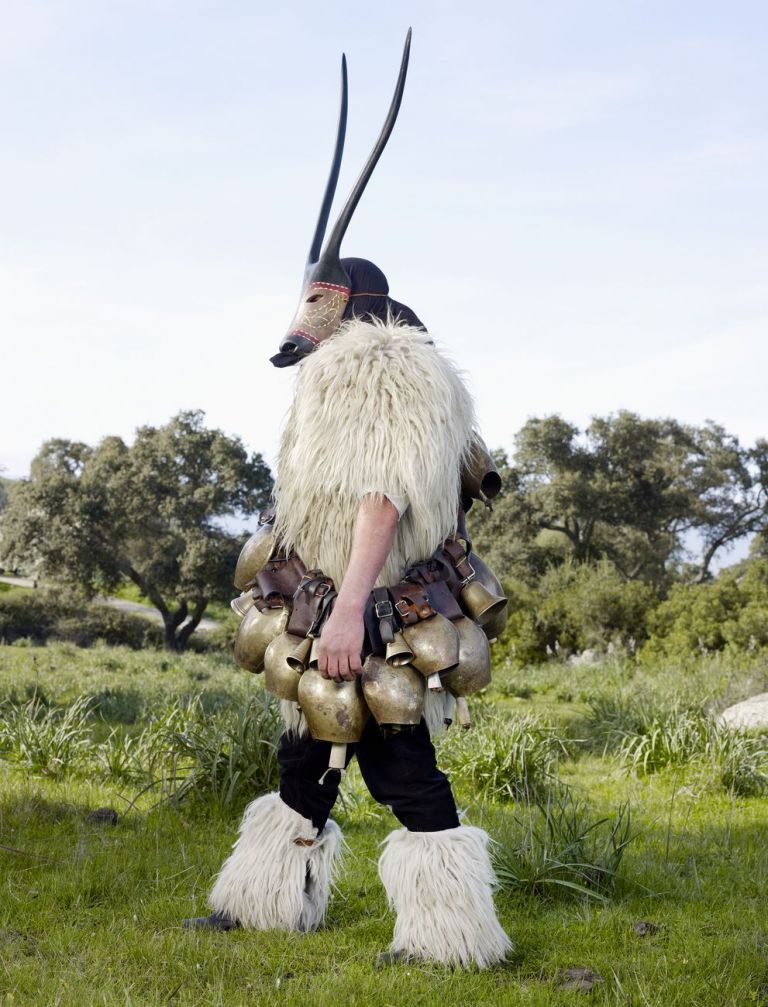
(341, 645)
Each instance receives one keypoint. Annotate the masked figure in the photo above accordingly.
(367, 611)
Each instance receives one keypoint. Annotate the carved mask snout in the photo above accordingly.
(317, 317)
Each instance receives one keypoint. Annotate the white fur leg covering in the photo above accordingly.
(272, 882)
(440, 884)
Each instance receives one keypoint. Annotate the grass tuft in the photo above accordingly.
(502, 758)
(557, 847)
(47, 740)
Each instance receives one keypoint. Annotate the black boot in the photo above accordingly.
(216, 921)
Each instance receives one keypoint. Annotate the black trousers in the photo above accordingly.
(399, 769)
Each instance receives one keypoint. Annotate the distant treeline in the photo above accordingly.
(592, 535)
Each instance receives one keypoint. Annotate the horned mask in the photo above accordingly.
(328, 283)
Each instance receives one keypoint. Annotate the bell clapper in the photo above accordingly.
(337, 760)
(433, 682)
(462, 712)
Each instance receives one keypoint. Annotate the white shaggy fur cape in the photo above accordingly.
(377, 408)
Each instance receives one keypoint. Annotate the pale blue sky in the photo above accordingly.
(573, 200)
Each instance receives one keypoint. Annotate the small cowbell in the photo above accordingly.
(480, 603)
(242, 603)
(493, 626)
(398, 651)
(298, 659)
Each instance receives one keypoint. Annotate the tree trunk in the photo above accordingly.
(189, 628)
(173, 638)
(172, 621)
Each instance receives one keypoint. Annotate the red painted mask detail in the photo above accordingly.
(319, 312)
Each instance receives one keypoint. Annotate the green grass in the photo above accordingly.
(89, 912)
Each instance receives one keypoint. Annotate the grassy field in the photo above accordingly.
(89, 910)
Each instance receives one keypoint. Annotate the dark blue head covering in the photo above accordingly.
(370, 295)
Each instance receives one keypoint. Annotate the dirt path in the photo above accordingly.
(150, 612)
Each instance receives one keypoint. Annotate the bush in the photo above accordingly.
(39, 616)
(110, 625)
(730, 614)
(32, 615)
(575, 608)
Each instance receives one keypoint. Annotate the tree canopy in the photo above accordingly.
(151, 511)
(627, 489)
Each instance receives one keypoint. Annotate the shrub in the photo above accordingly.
(730, 614)
(42, 615)
(31, 615)
(575, 607)
(115, 628)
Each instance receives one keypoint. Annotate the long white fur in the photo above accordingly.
(440, 884)
(294, 720)
(438, 707)
(269, 882)
(376, 408)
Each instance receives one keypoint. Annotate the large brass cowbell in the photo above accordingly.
(334, 711)
(434, 643)
(281, 677)
(256, 632)
(394, 693)
(254, 555)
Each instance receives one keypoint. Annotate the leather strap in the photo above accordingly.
(457, 555)
(384, 611)
(443, 600)
(411, 602)
(278, 581)
(310, 604)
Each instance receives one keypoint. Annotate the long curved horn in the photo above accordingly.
(333, 177)
(331, 250)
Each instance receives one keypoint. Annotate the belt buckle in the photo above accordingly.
(384, 609)
(472, 572)
(403, 607)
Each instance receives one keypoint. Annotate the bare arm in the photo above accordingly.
(342, 640)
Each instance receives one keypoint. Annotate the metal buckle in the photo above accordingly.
(403, 607)
(322, 589)
(384, 609)
(471, 575)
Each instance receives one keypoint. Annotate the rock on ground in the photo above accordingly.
(751, 713)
